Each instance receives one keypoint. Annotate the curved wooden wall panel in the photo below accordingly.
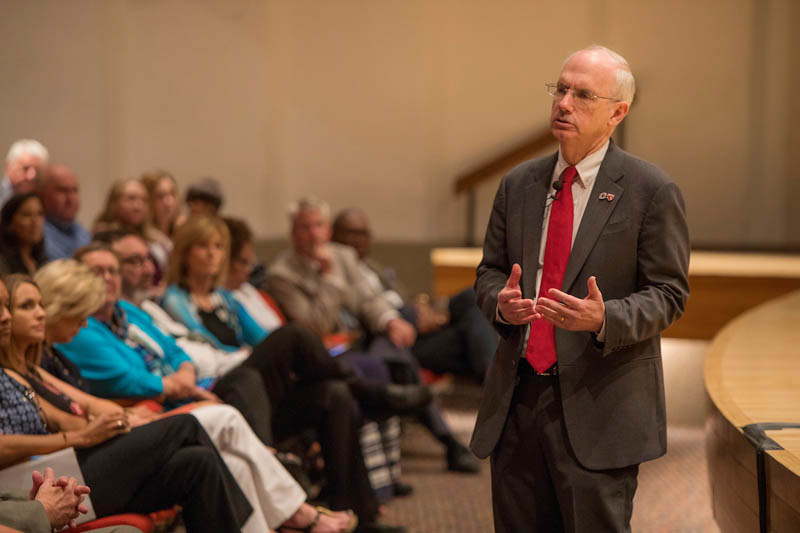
(752, 375)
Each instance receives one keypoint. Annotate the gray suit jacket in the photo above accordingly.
(637, 245)
(18, 512)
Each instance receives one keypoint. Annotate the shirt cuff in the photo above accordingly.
(601, 335)
(499, 317)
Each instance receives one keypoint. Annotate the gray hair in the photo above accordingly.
(306, 204)
(626, 86)
(27, 146)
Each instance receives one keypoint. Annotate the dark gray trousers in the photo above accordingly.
(537, 482)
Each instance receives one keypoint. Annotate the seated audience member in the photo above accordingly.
(320, 285)
(127, 208)
(50, 505)
(162, 189)
(22, 235)
(119, 461)
(58, 190)
(122, 353)
(204, 197)
(70, 294)
(380, 436)
(460, 340)
(24, 163)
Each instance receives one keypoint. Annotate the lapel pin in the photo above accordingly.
(606, 196)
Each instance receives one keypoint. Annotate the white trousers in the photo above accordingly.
(271, 490)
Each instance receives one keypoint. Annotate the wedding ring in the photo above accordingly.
(562, 319)
(119, 424)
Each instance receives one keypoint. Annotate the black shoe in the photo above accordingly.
(407, 399)
(402, 489)
(379, 528)
(460, 459)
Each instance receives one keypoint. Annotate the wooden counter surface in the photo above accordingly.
(723, 284)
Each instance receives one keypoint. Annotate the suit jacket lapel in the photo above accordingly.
(596, 214)
(534, 199)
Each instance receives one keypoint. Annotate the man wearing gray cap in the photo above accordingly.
(204, 197)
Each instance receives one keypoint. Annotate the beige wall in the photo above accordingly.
(381, 103)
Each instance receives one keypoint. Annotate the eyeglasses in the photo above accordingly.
(102, 271)
(581, 97)
(134, 260)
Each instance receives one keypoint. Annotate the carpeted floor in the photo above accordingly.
(673, 493)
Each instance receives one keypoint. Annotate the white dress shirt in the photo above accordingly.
(587, 168)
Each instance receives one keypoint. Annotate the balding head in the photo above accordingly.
(624, 83)
(351, 227)
(59, 193)
(586, 104)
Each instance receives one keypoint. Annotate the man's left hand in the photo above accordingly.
(573, 314)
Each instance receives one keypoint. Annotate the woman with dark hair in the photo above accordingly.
(130, 469)
(22, 235)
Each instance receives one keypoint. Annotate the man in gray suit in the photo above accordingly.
(574, 399)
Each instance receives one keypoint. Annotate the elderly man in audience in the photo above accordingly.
(24, 163)
(457, 340)
(63, 234)
(320, 285)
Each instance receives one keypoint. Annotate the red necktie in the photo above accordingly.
(541, 349)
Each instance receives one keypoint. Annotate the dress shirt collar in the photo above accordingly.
(588, 167)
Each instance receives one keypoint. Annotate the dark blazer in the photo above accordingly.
(637, 245)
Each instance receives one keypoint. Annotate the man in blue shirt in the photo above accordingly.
(63, 234)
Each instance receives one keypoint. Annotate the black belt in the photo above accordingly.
(525, 369)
